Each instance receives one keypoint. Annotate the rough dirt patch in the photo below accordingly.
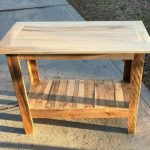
(118, 10)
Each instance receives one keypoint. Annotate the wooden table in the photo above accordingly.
(31, 41)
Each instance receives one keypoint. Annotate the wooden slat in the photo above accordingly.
(69, 94)
(136, 77)
(89, 93)
(20, 90)
(119, 95)
(61, 95)
(98, 93)
(33, 94)
(75, 94)
(43, 95)
(33, 71)
(111, 93)
(80, 100)
(106, 112)
(104, 94)
(126, 89)
(78, 57)
(53, 94)
(39, 100)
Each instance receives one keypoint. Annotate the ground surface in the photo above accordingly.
(118, 10)
(93, 134)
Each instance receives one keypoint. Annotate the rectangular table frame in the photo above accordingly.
(133, 71)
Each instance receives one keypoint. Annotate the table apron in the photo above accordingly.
(75, 56)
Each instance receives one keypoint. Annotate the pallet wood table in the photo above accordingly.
(31, 41)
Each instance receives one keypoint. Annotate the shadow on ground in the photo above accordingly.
(31, 146)
(64, 123)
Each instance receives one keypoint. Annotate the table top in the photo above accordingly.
(82, 37)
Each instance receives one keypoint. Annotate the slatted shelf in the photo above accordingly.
(78, 94)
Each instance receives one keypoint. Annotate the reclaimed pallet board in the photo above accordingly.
(77, 94)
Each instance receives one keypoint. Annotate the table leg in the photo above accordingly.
(127, 70)
(136, 79)
(20, 90)
(33, 71)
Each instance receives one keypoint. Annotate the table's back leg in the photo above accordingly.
(136, 79)
(20, 90)
(127, 70)
(33, 71)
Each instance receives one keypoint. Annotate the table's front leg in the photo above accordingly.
(20, 90)
(136, 79)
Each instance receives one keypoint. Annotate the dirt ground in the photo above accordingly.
(118, 10)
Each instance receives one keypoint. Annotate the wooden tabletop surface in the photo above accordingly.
(94, 37)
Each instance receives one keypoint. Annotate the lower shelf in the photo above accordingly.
(78, 94)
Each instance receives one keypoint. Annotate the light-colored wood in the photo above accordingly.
(119, 96)
(126, 89)
(51, 103)
(106, 112)
(33, 94)
(33, 71)
(99, 93)
(111, 92)
(136, 77)
(105, 92)
(89, 93)
(60, 103)
(75, 94)
(78, 57)
(80, 102)
(11, 35)
(69, 93)
(20, 90)
(78, 94)
(44, 92)
(94, 37)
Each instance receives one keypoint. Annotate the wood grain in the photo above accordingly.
(34, 94)
(60, 102)
(136, 77)
(77, 56)
(81, 113)
(81, 91)
(89, 93)
(119, 95)
(75, 94)
(104, 93)
(126, 37)
(33, 71)
(52, 98)
(69, 93)
(78, 94)
(44, 92)
(20, 90)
